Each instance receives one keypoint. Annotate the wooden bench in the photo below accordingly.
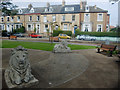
(13, 37)
(109, 48)
(55, 39)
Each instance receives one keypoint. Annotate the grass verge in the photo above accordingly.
(40, 46)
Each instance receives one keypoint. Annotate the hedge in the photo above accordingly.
(19, 30)
(98, 34)
(57, 32)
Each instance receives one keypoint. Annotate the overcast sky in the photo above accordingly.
(104, 4)
(58, 0)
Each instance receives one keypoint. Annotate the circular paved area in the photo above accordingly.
(52, 69)
(102, 71)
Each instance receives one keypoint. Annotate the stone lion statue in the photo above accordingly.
(19, 70)
(62, 47)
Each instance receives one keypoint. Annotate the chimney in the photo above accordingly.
(95, 7)
(63, 2)
(48, 4)
(30, 6)
(81, 5)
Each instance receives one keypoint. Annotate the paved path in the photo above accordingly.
(102, 71)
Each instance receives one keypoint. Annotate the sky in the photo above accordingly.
(104, 4)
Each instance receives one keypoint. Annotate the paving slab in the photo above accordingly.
(80, 69)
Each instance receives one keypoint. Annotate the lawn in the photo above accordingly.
(39, 45)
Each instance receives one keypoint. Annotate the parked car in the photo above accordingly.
(55, 39)
(64, 36)
(5, 34)
(34, 35)
(85, 37)
(18, 34)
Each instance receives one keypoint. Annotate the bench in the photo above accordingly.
(109, 48)
(55, 39)
(13, 37)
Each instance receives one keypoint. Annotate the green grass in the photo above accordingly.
(40, 46)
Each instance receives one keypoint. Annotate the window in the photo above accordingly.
(17, 26)
(2, 19)
(29, 27)
(8, 19)
(46, 27)
(86, 28)
(69, 9)
(87, 8)
(18, 18)
(2, 27)
(38, 18)
(63, 18)
(20, 11)
(45, 18)
(100, 17)
(86, 17)
(99, 28)
(12, 19)
(32, 10)
(30, 18)
(73, 17)
(56, 27)
(65, 26)
(50, 9)
(54, 18)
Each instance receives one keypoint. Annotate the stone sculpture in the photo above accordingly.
(62, 47)
(19, 70)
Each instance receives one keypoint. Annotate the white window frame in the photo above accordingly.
(37, 28)
(19, 26)
(45, 18)
(65, 27)
(63, 17)
(20, 11)
(54, 18)
(32, 10)
(18, 19)
(38, 19)
(98, 27)
(86, 16)
(69, 8)
(45, 29)
(12, 19)
(87, 8)
(2, 18)
(32, 27)
(7, 18)
(98, 17)
(30, 18)
(2, 27)
(72, 17)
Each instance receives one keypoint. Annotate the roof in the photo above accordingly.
(59, 9)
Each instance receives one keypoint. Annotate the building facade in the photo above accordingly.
(64, 17)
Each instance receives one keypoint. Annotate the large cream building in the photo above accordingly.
(66, 17)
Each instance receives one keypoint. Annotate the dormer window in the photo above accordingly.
(46, 10)
(69, 8)
(87, 8)
(32, 10)
(20, 11)
(50, 9)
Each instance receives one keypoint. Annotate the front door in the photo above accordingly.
(75, 27)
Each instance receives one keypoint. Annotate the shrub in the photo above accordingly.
(98, 34)
(57, 32)
(19, 30)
